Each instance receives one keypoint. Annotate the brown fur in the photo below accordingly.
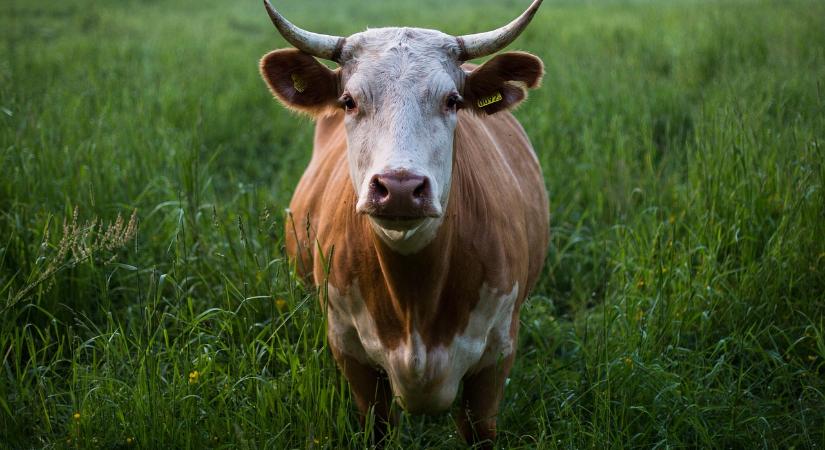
(495, 231)
(496, 215)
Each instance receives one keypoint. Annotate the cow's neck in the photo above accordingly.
(415, 282)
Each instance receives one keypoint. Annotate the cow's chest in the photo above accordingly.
(424, 378)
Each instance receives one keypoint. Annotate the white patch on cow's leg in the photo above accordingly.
(350, 327)
(425, 379)
(498, 312)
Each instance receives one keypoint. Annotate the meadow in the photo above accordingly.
(146, 301)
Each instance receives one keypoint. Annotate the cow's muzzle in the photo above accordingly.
(399, 196)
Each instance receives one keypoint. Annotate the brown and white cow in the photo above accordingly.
(422, 216)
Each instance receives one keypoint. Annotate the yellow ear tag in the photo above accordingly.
(298, 83)
(489, 100)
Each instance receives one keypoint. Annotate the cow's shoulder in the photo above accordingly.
(500, 198)
(321, 195)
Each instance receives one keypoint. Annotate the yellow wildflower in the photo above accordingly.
(76, 416)
(628, 361)
(193, 376)
(280, 304)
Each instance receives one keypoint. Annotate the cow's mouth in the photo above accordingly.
(399, 219)
(404, 232)
(398, 223)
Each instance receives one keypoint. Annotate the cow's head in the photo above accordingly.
(400, 90)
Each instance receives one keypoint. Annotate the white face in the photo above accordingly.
(401, 85)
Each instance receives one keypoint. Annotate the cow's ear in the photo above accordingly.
(502, 82)
(300, 82)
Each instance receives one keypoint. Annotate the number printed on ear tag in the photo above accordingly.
(298, 83)
(489, 100)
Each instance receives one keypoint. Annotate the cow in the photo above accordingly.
(422, 216)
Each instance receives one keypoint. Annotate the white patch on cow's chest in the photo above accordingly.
(425, 379)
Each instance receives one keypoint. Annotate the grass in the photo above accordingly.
(683, 297)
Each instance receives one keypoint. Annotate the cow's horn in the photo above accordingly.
(320, 45)
(489, 42)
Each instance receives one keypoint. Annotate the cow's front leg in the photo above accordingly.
(479, 403)
(371, 389)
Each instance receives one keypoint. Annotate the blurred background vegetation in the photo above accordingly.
(683, 296)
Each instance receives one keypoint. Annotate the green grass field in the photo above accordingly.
(683, 296)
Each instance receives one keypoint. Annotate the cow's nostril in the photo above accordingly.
(422, 190)
(378, 188)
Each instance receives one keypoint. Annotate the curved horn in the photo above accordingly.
(320, 45)
(489, 42)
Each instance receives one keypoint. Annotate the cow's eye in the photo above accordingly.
(347, 102)
(453, 102)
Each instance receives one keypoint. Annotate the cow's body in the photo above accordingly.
(422, 216)
(431, 318)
